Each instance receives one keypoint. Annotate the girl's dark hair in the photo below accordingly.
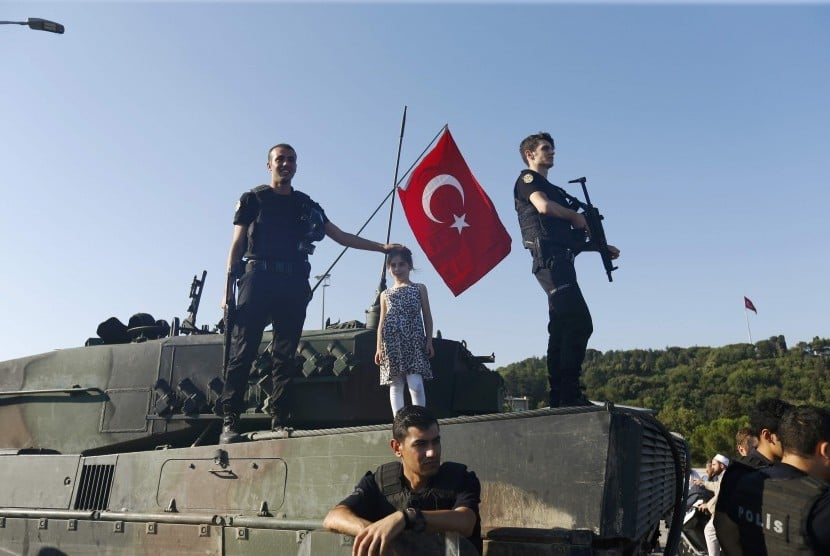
(402, 252)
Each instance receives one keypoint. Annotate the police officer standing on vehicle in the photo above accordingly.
(274, 227)
(552, 229)
(785, 508)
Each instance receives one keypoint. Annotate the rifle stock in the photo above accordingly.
(228, 318)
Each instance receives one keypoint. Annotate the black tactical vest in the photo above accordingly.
(786, 507)
(440, 495)
(778, 525)
(279, 227)
(725, 520)
(540, 229)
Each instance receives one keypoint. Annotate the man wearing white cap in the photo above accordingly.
(719, 464)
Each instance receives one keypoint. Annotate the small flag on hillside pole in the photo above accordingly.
(452, 217)
(749, 306)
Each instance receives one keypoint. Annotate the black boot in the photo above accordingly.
(573, 395)
(577, 401)
(553, 400)
(279, 424)
(230, 428)
(279, 418)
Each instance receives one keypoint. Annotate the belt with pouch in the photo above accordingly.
(546, 251)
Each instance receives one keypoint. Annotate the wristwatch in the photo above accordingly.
(415, 520)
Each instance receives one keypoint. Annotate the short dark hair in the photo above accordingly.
(767, 415)
(530, 143)
(279, 146)
(402, 252)
(802, 428)
(743, 437)
(411, 416)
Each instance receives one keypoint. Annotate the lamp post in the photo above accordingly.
(325, 284)
(38, 24)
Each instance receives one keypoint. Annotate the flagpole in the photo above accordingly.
(373, 312)
(392, 204)
(748, 331)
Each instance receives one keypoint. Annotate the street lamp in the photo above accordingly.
(325, 284)
(38, 24)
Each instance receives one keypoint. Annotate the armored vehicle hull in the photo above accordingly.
(593, 480)
(112, 448)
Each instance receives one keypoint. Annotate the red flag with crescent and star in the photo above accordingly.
(452, 217)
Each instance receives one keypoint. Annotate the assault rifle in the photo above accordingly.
(594, 220)
(227, 320)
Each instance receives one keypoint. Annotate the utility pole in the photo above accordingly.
(325, 284)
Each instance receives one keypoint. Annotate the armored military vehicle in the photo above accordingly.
(112, 448)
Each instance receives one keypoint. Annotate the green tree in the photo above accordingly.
(703, 393)
(715, 437)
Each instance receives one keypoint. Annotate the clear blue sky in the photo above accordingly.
(703, 131)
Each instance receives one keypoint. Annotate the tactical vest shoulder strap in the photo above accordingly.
(258, 191)
(388, 478)
(301, 197)
(805, 487)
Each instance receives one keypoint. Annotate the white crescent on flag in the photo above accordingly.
(432, 186)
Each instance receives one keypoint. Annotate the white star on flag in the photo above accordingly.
(460, 222)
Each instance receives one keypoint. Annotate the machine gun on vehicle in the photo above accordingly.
(188, 326)
(594, 219)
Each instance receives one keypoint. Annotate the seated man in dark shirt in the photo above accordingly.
(785, 508)
(417, 492)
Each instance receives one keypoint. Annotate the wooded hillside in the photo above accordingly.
(702, 393)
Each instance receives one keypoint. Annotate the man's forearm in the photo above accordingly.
(558, 211)
(357, 242)
(343, 520)
(462, 520)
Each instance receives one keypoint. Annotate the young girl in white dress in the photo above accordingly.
(404, 337)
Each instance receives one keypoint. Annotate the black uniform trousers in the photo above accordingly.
(281, 298)
(569, 328)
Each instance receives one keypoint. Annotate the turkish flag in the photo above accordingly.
(452, 217)
(748, 304)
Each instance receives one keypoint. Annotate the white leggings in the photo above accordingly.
(416, 391)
